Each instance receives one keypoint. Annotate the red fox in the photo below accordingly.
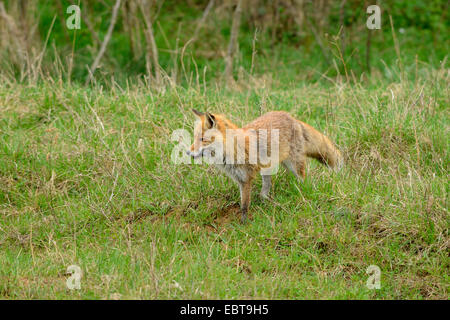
(296, 141)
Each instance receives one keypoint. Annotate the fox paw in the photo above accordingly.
(265, 196)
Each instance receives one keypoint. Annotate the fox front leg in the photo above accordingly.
(245, 189)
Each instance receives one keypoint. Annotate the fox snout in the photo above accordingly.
(194, 154)
(203, 151)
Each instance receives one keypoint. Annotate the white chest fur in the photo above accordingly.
(235, 172)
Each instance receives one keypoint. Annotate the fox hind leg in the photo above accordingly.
(301, 168)
(298, 168)
(266, 186)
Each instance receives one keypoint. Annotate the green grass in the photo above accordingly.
(86, 179)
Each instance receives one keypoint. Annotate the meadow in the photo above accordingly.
(86, 179)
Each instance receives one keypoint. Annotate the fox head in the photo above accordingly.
(203, 133)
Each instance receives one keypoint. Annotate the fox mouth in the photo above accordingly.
(200, 152)
(195, 155)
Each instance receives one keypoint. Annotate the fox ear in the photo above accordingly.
(198, 113)
(210, 120)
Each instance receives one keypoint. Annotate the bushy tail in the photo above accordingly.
(318, 146)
